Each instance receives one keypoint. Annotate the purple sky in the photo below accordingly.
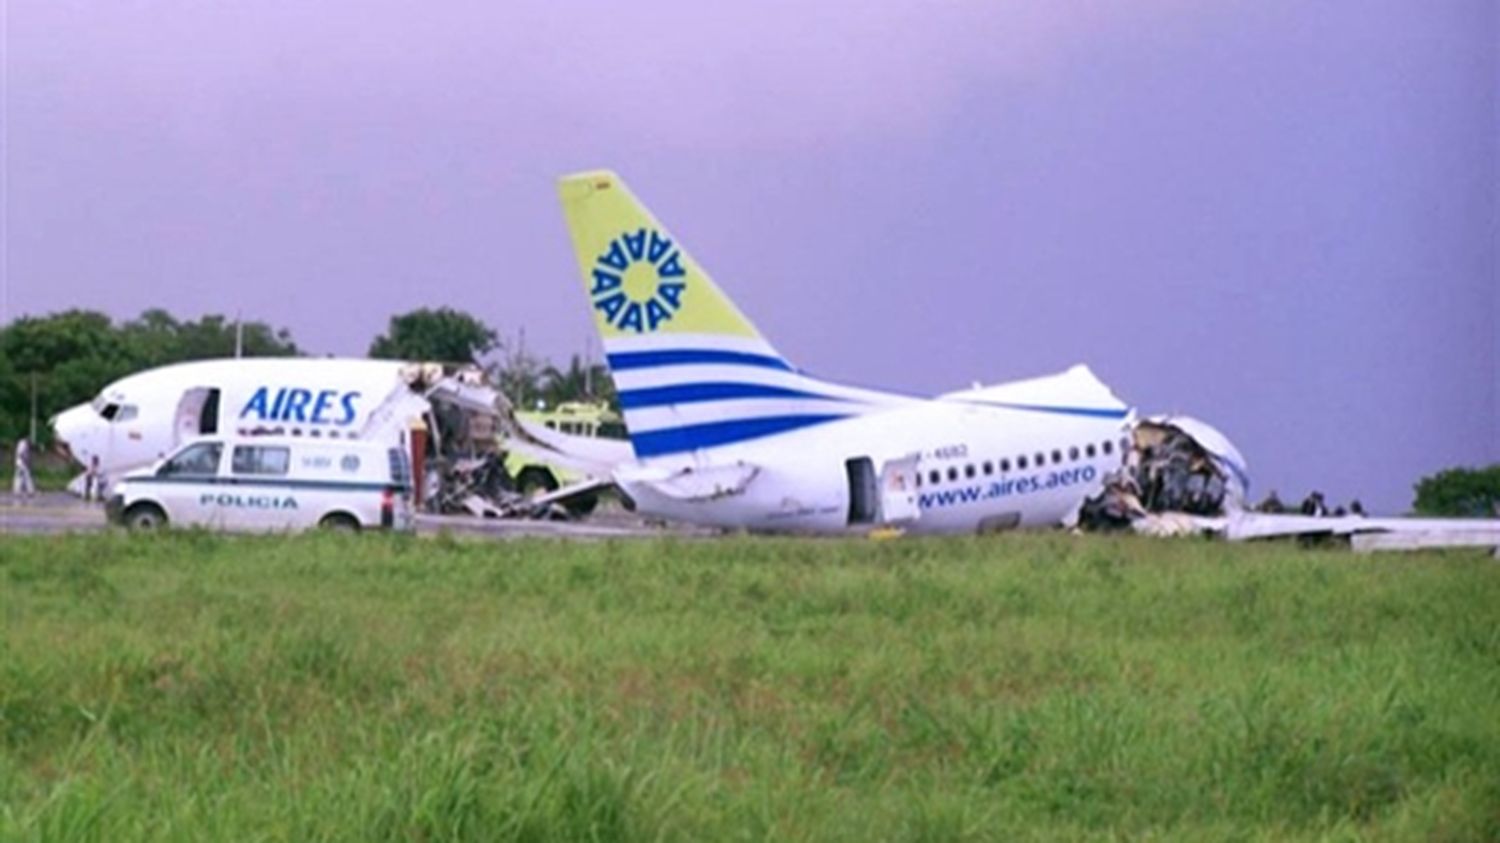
(1279, 216)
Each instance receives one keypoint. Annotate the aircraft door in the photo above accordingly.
(197, 414)
(898, 490)
(864, 492)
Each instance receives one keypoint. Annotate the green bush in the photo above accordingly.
(1460, 493)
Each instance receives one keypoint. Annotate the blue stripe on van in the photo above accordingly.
(277, 482)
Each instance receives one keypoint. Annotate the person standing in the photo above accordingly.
(93, 481)
(22, 484)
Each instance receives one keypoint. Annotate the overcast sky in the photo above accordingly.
(1277, 215)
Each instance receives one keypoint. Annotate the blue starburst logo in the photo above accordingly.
(636, 281)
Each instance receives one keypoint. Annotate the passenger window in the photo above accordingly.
(919, 479)
(1124, 445)
(934, 477)
(200, 460)
(969, 471)
(261, 460)
(1041, 460)
(1109, 447)
(989, 468)
(1021, 462)
(1004, 466)
(952, 474)
(1056, 457)
(1073, 453)
(1089, 451)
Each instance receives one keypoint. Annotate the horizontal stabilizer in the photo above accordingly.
(694, 484)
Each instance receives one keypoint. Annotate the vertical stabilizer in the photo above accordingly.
(691, 369)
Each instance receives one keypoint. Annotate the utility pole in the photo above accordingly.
(33, 409)
(239, 336)
(588, 366)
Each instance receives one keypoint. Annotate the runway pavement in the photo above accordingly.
(49, 512)
(59, 512)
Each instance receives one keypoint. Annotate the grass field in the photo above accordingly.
(195, 687)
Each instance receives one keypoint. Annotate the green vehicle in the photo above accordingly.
(573, 418)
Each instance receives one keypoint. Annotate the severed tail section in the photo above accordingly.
(691, 370)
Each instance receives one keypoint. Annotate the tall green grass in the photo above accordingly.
(1027, 687)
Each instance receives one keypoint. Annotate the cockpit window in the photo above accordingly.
(201, 459)
(111, 411)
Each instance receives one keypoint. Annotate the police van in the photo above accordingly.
(269, 483)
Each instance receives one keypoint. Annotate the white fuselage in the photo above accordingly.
(138, 419)
(952, 464)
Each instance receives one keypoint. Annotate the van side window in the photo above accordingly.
(261, 459)
(200, 460)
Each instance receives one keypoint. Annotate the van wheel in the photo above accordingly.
(536, 481)
(145, 517)
(339, 522)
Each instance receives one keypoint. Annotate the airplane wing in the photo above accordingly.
(692, 483)
(1365, 534)
(587, 454)
(566, 493)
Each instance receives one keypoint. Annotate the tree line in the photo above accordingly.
(49, 363)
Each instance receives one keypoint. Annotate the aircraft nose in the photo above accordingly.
(71, 428)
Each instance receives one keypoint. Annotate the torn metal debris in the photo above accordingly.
(1176, 465)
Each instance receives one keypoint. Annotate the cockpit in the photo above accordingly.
(114, 411)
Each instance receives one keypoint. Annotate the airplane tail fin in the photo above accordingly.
(691, 370)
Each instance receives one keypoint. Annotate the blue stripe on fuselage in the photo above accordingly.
(624, 360)
(1094, 412)
(691, 437)
(690, 393)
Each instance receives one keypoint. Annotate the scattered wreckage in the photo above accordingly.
(458, 451)
(1182, 477)
(1177, 468)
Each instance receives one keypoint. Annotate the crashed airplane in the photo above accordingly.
(727, 432)
(448, 418)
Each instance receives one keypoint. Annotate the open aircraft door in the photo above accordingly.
(197, 414)
(898, 490)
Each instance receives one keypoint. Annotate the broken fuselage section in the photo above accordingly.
(1176, 466)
